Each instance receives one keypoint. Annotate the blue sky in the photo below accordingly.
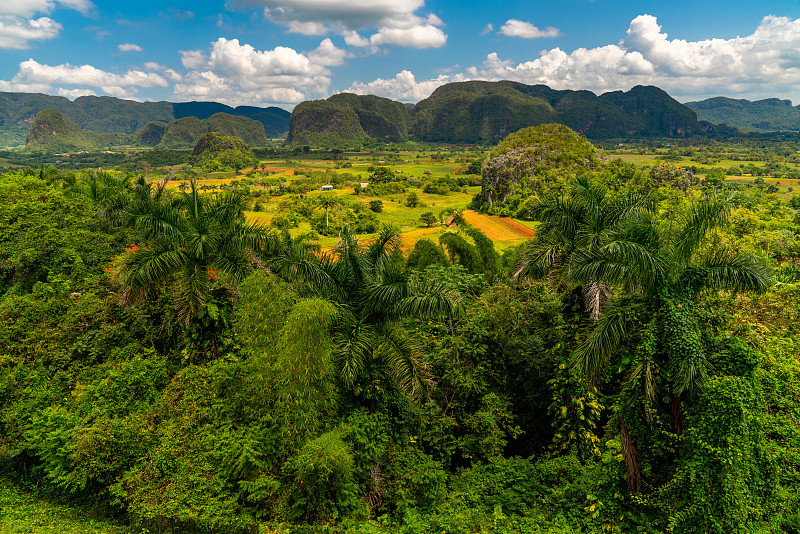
(271, 52)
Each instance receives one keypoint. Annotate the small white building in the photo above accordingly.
(326, 187)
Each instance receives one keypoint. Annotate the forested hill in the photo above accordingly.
(770, 114)
(107, 114)
(485, 112)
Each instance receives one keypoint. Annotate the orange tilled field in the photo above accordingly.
(410, 238)
(497, 228)
(514, 226)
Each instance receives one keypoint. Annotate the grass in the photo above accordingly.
(22, 512)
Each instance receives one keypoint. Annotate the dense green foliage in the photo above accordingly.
(531, 162)
(217, 152)
(632, 368)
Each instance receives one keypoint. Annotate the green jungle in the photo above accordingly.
(539, 336)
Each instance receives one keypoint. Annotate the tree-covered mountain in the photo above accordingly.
(107, 114)
(184, 133)
(50, 131)
(346, 117)
(485, 112)
(770, 114)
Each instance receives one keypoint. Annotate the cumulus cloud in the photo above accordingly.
(167, 72)
(403, 86)
(18, 27)
(763, 64)
(27, 8)
(31, 71)
(129, 47)
(327, 54)
(193, 59)
(352, 38)
(396, 22)
(37, 77)
(307, 28)
(237, 73)
(17, 32)
(352, 15)
(422, 36)
(72, 94)
(487, 29)
(526, 30)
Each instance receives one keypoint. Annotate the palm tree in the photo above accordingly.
(585, 222)
(198, 246)
(652, 335)
(327, 202)
(371, 292)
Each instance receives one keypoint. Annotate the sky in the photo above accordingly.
(270, 52)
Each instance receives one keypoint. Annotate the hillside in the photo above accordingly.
(107, 114)
(50, 131)
(771, 114)
(347, 117)
(184, 133)
(485, 112)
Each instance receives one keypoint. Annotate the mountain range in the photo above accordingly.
(770, 114)
(486, 112)
(463, 112)
(105, 114)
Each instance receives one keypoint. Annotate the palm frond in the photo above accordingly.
(354, 341)
(726, 268)
(610, 330)
(431, 298)
(147, 268)
(404, 358)
(384, 246)
(704, 215)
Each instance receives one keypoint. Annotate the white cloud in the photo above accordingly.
(27, 8)
(403, 86)
(348, 13)
(397, 21)
(207, 86)
(487, 29)
(18, 27)
(352, 38)
(765, 63)
(32, 71)
(307, 28)
(16, 32)
(36, 77)
(236, 73)
(167, 72)
(193, 59)
(526, 30)
(72, 94)
(422, 36)
(327, 54)
(129, 47)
